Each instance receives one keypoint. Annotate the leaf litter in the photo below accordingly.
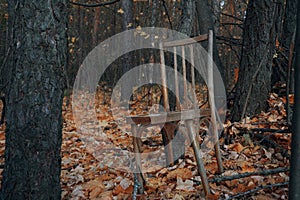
(243, 151)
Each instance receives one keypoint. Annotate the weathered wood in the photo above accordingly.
(176, 79)
(184, 77)
(137, 151)
(164, 79)
(210, 84)
(196, 148)
(161, 118)
(170, 118)
(186, 41)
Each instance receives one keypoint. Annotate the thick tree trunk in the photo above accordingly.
(215, 4)
(205, 21)
(127, 23)
(96, 26)
(34, 100)
(187, 17)
(254, 82)
(289, 23)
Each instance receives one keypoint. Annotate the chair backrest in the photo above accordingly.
(183, 45)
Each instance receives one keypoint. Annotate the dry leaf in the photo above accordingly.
(185, 185)
(182, 173)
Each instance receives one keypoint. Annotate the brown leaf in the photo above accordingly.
(183, 173)
(184, 185)
(237, 147)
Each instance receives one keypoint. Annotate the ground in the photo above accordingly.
(255, 157)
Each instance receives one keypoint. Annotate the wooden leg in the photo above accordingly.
(137, 155)
(217, 145)
(218, 156)
(192, 134)
(167, 135)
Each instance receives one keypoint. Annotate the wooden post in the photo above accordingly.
(164, 78)
(212, 101)
(137, 156)
(201, 170)
(184, 77)
(176, 79)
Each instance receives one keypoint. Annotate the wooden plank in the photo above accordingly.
(186, 41)
(176, 80)
(184, 77)
(164, 79)
(212, 101)
(195, 102)
(164, 117)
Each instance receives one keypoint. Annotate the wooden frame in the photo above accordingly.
(139, 121)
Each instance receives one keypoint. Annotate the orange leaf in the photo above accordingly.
(183, 173)
(236, 147)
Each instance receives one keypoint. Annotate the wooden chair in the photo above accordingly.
(188, 115)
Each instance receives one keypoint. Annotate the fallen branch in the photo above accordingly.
(247, 174)
(271, 130)
(219, 179)
(264, 139)
(257, 189)
(251, 85)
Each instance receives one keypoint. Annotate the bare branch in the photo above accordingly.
(167, 13)
(238, 196)
(234, 17)
(247, 174)
(94, 5)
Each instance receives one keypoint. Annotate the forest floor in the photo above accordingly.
(255, 157)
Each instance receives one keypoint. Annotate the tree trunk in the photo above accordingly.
(187, 17)
(294, 185)
(289, 23)
(254, 82)
(34, 100)
(205, 22)
(288, 33)
(96, 26)
(127, 23)
(215, 4)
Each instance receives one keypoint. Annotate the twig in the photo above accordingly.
(234, 17)
(271, 130)
(94, 5)
(251, 85)
(240, 25)
(272, 143)
(5, 58)
(167, 13)
(219, 179)
(257, 189)
(264, 139)
(233, 41)
(247, 174)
